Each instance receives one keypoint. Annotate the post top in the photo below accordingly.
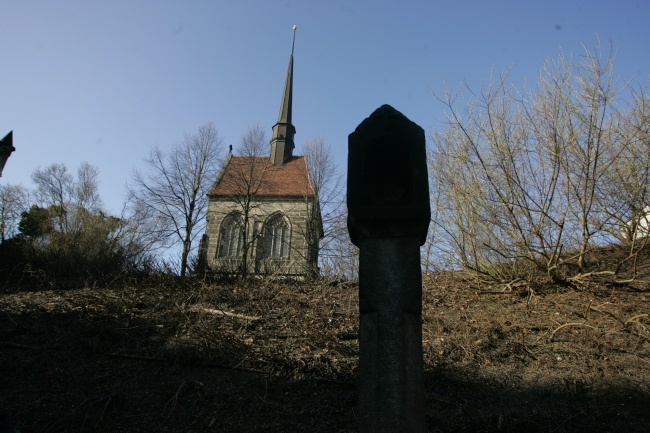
(382, 116)
(388, 185)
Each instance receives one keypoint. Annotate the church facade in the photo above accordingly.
(263, 212)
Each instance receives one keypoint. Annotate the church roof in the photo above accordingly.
(255, 175)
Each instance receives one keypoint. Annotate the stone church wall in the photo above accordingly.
(296, 212)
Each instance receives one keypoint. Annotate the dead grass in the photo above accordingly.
(151, 356)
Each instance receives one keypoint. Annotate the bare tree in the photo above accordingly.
(340, 257)
(253, 142)
(324, 216)
(140, 233)
(14, 199)
(174, 189)
(590, 146)
(54, 190)
(624, 192)
(431, 258)
(522, 174)
(325, 177)
(69, 198)
(67, 231)
(86, 188)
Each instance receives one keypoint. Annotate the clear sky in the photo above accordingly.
(103, 81)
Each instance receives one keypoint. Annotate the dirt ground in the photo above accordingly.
(163, 355)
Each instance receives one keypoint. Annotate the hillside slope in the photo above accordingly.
(167, 355)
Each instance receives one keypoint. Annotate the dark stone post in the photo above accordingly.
(388, 219)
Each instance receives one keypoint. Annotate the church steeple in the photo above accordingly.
(283, 131)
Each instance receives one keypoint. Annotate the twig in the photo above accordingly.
(103, 410)
(507, 288)
(607, 312)
(530, 297)
(635, 320)
(174, 399)
(550, 339)
(12, 320)
(528, 352)
(514, 283)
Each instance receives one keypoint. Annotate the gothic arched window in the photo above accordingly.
(277, 237)
(231, 236)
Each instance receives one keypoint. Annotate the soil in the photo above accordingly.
(170, 355)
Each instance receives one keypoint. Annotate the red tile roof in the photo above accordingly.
(257, 176)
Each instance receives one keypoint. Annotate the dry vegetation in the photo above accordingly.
(191, 356)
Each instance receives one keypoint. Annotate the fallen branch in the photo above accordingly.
(514, 284)
(492, 292)
(550, 339)
(589, 275)
(199, 309)
(507, 288)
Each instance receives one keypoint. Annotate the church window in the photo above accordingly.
(231, 236)
(276, 237)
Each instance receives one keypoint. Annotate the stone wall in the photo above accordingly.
(296, 212)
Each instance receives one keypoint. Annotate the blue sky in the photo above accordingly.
(103, 81)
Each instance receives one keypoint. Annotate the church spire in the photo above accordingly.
(283, 131)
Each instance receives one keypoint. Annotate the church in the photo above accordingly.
(263, 212)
